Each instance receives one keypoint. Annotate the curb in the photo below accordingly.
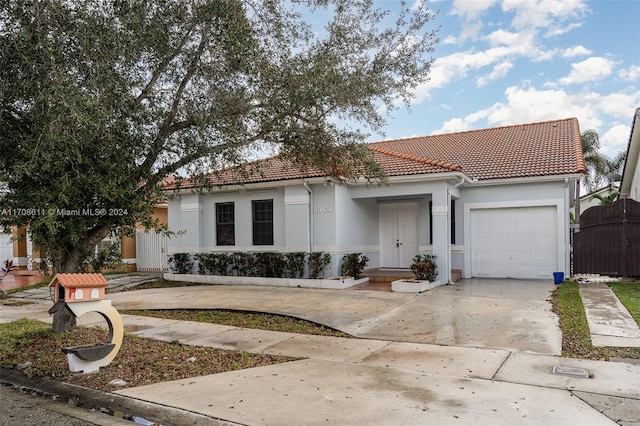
(109, 402)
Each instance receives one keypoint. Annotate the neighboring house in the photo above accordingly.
(144, 252)
(590, 200)
(630, 185)
(492, 203)
(609, 239)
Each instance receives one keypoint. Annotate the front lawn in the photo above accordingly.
(257, 320)
(629, 295)
(32, 347)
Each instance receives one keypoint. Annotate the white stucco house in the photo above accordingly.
(492, 203)
(630, 184)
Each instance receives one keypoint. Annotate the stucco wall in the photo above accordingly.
(346, 219)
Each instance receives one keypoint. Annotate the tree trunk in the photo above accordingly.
(64, 320)
(67, 261)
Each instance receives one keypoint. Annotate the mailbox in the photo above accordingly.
(80, 294)
(73, 288)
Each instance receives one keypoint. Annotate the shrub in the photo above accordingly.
(270, 264)
(223, 264)
(318, 262)
(295, 264)
(109, 258)
(180, 263)
(245, 264)
(424, 267)
(206, 262)
(353, 264)
(8, 267)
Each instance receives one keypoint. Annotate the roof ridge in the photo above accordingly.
(439, 163)
(474, 130)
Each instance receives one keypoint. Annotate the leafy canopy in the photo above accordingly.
(101, 100)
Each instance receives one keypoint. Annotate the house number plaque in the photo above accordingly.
(321, 210)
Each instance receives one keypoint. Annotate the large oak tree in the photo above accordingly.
(100, 100)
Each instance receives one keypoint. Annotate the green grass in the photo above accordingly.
(576, 339)
(256, 320)
(629, 295)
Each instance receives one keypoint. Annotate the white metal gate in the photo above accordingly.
(6, 247)
(151, 251)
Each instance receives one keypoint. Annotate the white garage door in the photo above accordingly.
(6, 247)
(514, 242)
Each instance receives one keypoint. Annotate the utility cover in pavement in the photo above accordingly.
(571, 371)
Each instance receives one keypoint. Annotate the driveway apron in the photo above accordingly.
(502, 314)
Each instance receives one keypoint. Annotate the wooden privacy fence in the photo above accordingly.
(608, 242)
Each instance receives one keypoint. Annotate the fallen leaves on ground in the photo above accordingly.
(140, 361)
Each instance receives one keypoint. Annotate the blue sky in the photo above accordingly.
(502, 62)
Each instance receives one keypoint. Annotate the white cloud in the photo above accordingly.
(452, 126)
(562, 29)
(530, 104)
(591, 69)
(620, 105)
(470, 10)
(522, 42)
(574, 51)
(601, 112)
(450, 40)
(454, 66)
(499, 71)
(418, 4)
(550, 14)
(614, 140)
(630, 74)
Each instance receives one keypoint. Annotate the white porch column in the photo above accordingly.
(440, 217)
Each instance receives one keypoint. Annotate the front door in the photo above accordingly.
(398, 234)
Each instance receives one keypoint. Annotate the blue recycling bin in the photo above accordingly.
(558, 277)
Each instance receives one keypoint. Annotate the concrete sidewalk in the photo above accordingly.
(377, 381)
(610, 323)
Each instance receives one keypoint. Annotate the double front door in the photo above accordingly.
(398, 234)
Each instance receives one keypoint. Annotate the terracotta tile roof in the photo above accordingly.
(523, 150)
(400, 163)
(79, 280)
(536, 149)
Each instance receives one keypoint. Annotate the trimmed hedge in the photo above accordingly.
(259, 264)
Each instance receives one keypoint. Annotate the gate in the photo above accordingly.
(151, 251)
(609, 240)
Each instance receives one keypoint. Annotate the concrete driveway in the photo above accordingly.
(502, 314)
(499, 314)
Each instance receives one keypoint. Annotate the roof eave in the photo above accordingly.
(633, 152)
(527, 179)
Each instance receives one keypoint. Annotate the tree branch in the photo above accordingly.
(166, 128)
(163, 65)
